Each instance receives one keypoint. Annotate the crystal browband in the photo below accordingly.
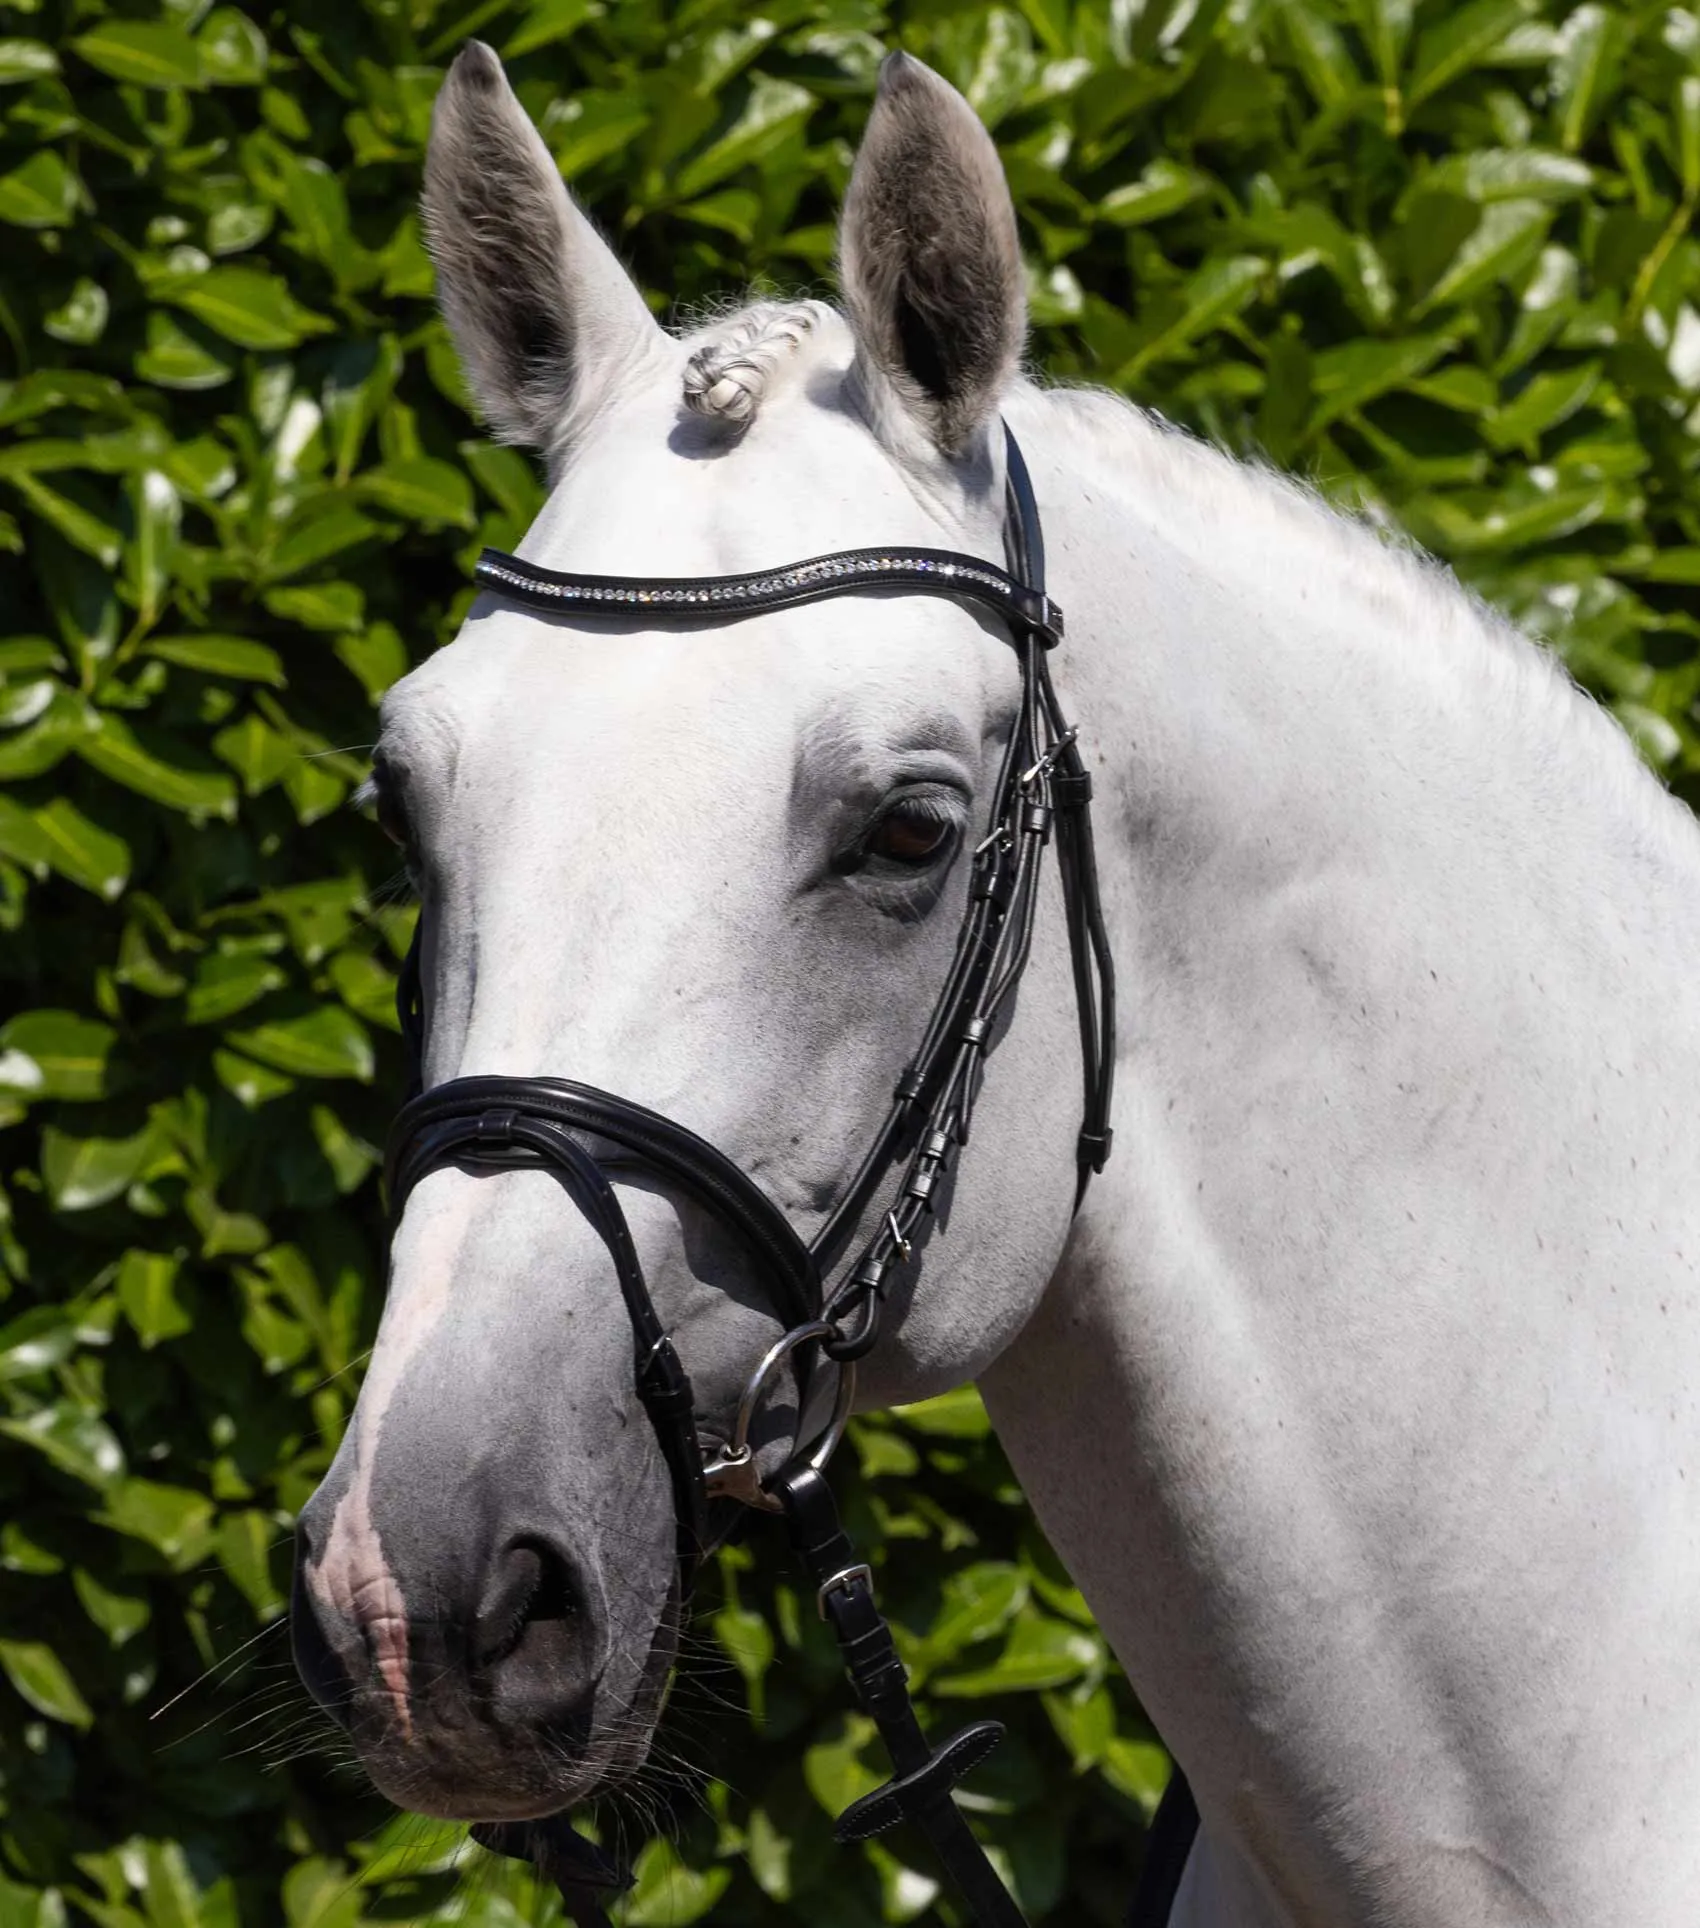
(720, 597)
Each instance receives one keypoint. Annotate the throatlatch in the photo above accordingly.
(585, 1137)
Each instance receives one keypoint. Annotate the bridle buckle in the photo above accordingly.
(842, 1581)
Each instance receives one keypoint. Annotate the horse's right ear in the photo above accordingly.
(542, 313)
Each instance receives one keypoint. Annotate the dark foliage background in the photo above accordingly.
(1437, 255)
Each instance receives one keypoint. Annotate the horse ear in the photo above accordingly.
(929, 257)
(541, 312)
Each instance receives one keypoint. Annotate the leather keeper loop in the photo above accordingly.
(976, 1032)
(870, 1275)
(1036, 820)
(919, 1186)
(1071, 789)
(995, 883)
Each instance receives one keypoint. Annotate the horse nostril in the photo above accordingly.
(530, 1583)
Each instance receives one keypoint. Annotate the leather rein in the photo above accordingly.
(833, 1290)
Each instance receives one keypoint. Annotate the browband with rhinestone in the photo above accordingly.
(719, 597)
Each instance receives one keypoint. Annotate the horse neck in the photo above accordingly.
(1382, 1319)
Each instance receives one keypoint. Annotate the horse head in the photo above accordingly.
(717, 869)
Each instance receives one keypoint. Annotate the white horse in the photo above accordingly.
(1360, 1398)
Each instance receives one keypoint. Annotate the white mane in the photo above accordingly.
(727, 375)
(1290, 533)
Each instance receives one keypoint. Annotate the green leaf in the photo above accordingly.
(42, 1678)
(1219, 289)
(146, 53)
(1040, 1653)
(1509, 174)
(250, 1084)
(36, 1342)
(1548, 399)
(71, 508)
(770, 111)
(80, 319)
(20, 1554)
(1386, 26)
(237, 657)
(74, 1442)
(668, 1893)
(350, 1158)
(173, 1901)
(748, 1643)
(1675, 565)
(1139, 1769)
(147, 1290)
(26, 60)
(156, 515)
(422, 489)
(326, 1043)
(836, 1772)
(246, 306)
(1686, 114)
(1347, 377)
(336, 606)
(1163, 188)
(325, 526)
(1585, 70)
(40, 192)
(233, 51)
(84, 1172)
(1507, 239)
(951, 1415)
(174, 358)
(38, 748)
(58, 837)
(978, 1602)
(377, 657)
(592, 126)
(227, 983)
(173, 1520)
(1085, 1721)
(1463, 40)
(56, 1054)
(120, 1615)
(255, 751)
(245, 1541)
(510, 481)
(1323, 57)
(149, 765)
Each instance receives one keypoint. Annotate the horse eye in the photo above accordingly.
(911, 834)
(392, 818)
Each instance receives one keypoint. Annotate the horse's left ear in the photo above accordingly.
(929, 257)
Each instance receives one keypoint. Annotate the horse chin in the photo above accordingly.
(465, 1769)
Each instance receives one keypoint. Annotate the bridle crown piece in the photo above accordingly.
(831, 1291)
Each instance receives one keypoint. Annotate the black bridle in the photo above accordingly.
(832, 1304)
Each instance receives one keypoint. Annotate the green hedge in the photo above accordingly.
(1438, 256)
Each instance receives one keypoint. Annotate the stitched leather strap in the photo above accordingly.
(920, 1791)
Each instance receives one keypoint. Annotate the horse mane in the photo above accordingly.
(1402, 594)
(727, 375)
